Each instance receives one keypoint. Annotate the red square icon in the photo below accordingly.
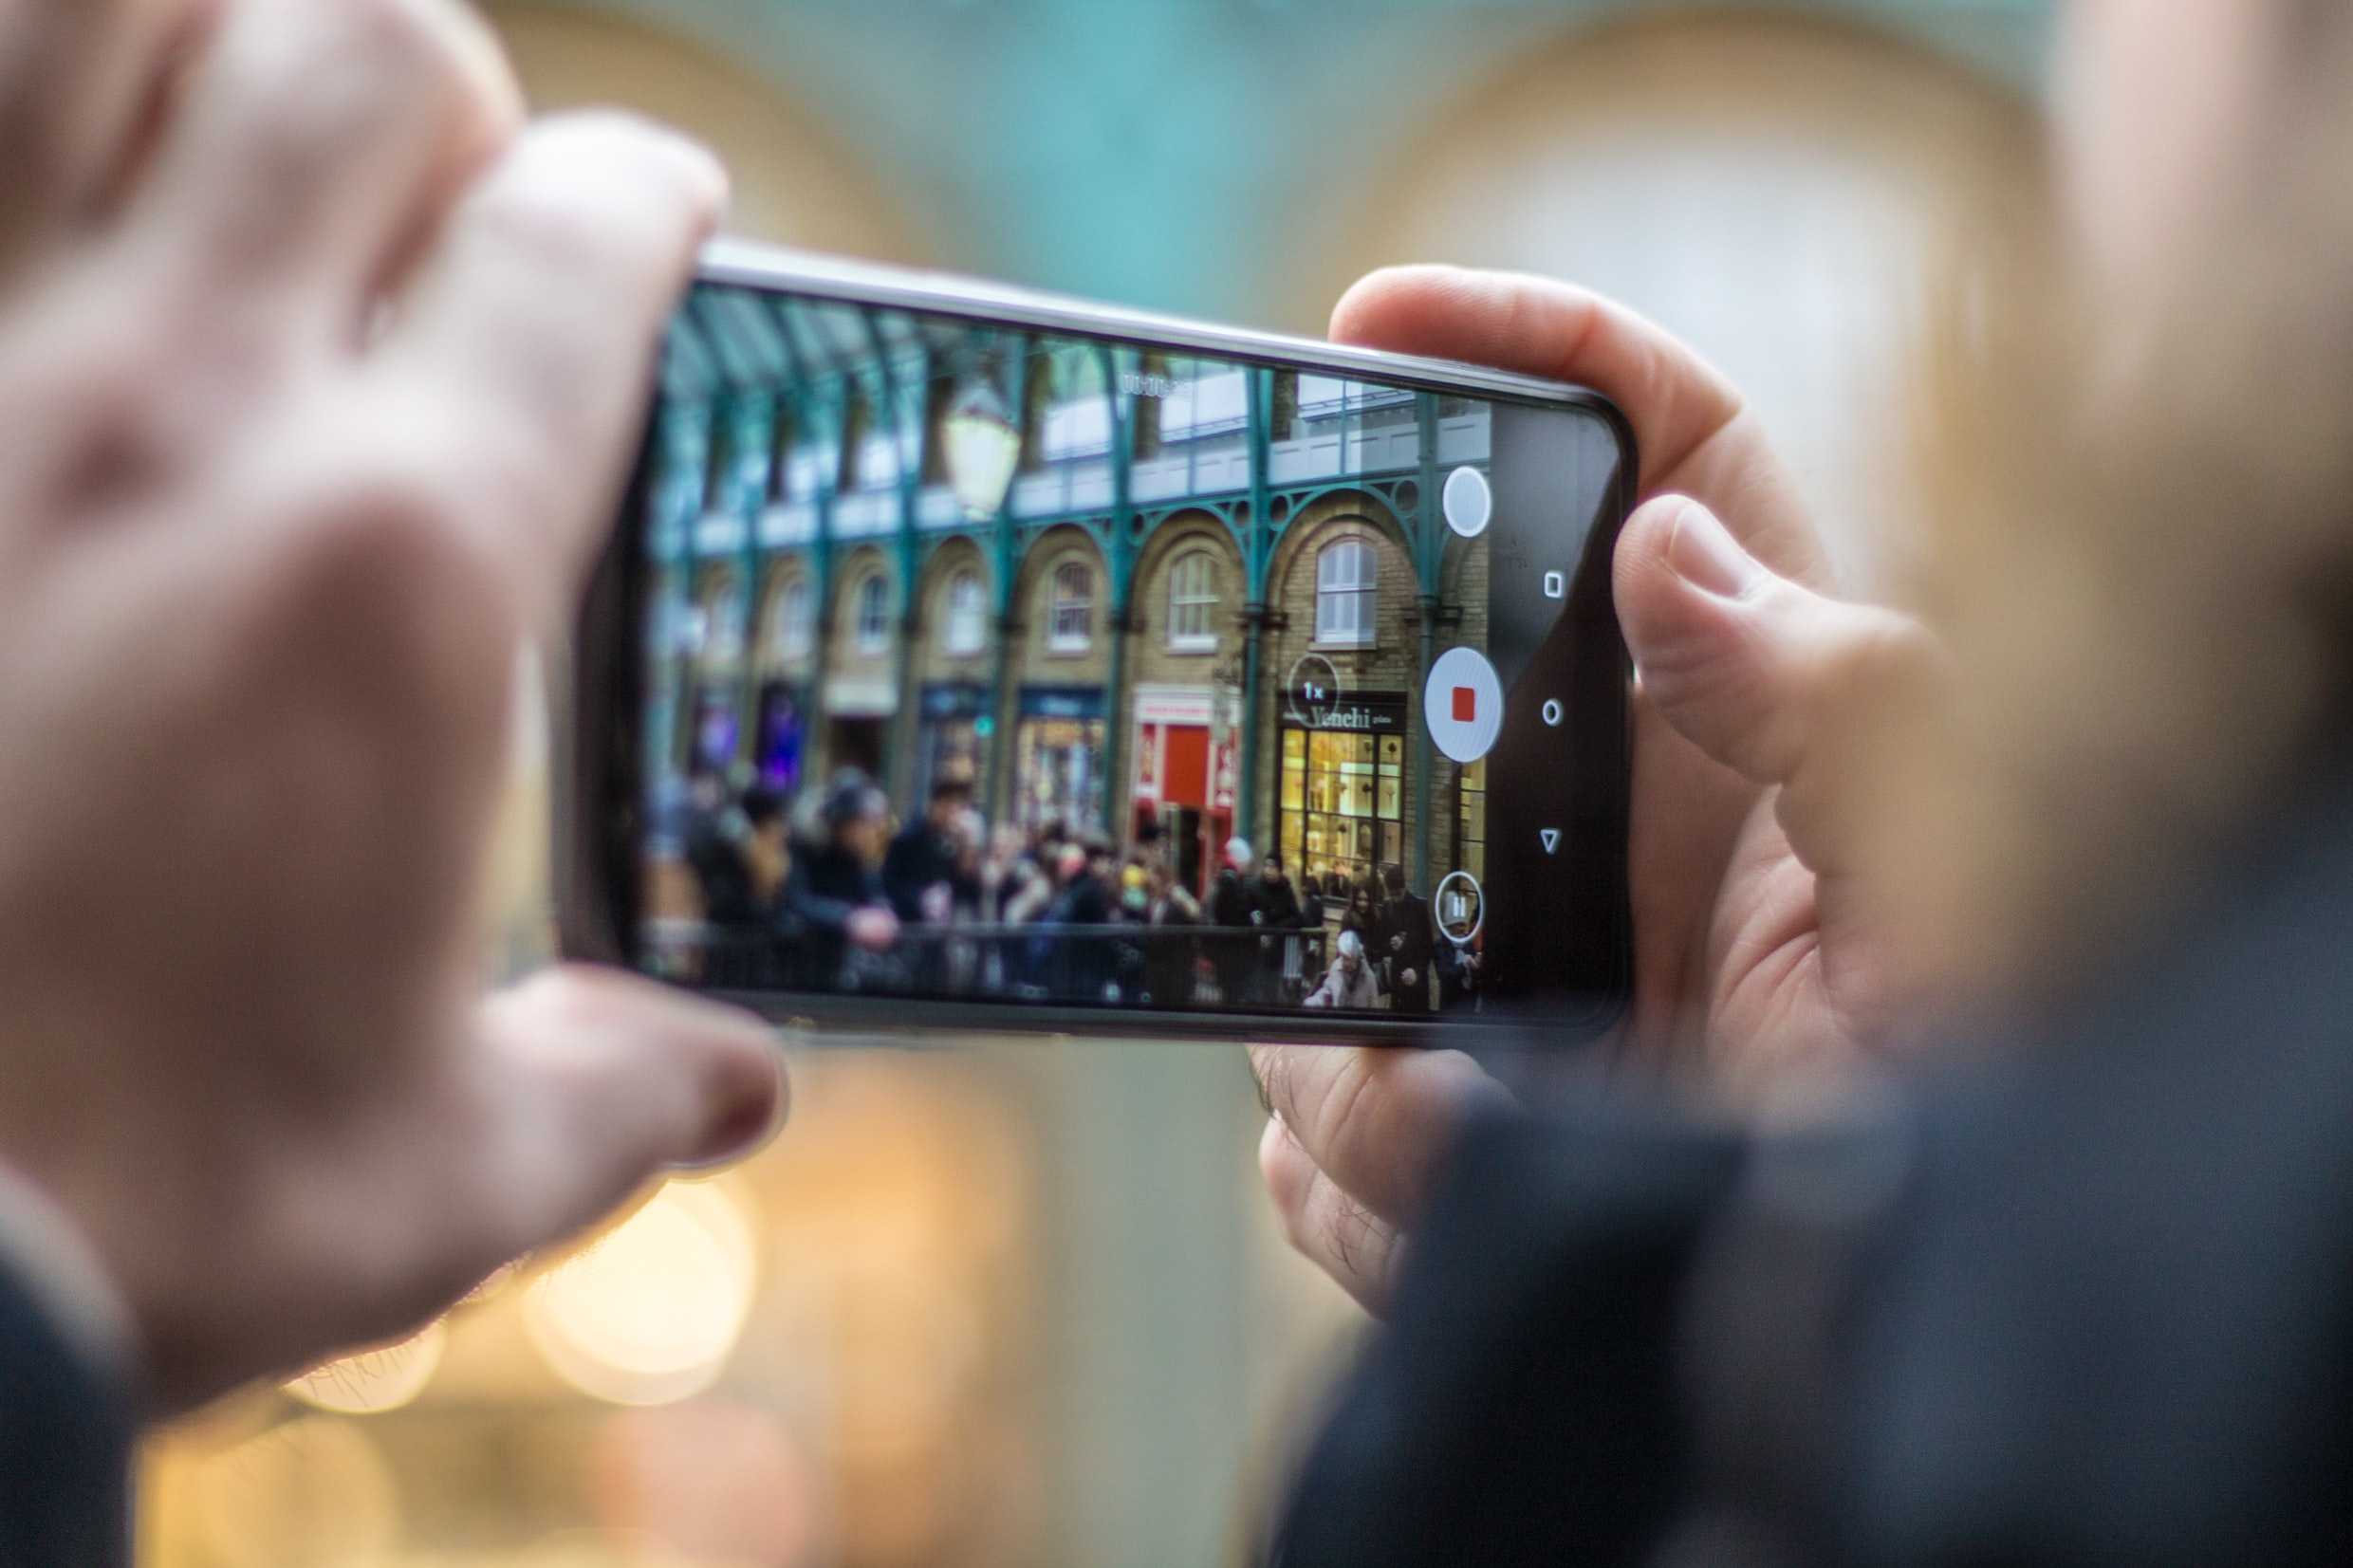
(1466, 705)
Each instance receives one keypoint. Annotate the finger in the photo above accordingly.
(1763, 674)
(316, 141)
(538, 314)
(76, 79)
(1324, 1225)
(1689, 421)
(598, 1082)
(1541, 326)
(1376, 1121)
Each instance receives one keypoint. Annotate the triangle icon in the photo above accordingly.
(1551, 837)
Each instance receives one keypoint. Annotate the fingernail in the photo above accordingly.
(1708, 557)
(708, 172)
(746, 1129)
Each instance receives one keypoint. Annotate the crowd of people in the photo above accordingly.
(831, 894)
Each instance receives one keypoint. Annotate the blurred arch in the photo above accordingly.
(795, 181)
(1777, 190)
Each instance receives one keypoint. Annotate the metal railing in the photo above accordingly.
(1043, 961)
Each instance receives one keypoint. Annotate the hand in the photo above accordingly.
(1409, 977)
(874, 930)
(319, 373)
(1757, 947)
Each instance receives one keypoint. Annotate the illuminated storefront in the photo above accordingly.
(1058, 758)
(1470, 822)
(1342, 787)
(782, 739)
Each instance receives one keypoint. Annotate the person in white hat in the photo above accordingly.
(1349, 983)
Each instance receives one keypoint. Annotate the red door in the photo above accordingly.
(1184, 779)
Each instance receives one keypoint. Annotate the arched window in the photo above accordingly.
(874, 614)
(795, 630)
(967, 614)
(1070, 620)
(719, 639)
(1192, 602)
(1346, 593)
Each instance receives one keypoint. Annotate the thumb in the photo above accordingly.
(599, 1081)
(1765, 676)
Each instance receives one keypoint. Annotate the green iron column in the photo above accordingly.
(906, 719)
(1256, 555)
(1120, 560)
(751, 451)
(1003, 705)
(824, 400)
(677, 499)
(1429, 564)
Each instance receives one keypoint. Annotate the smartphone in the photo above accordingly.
(977, 658)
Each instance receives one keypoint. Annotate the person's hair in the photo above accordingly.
(762, 806)
(2141, 549)
(1393, 877)
(853, 799)
(950, 788)
(1311, 887)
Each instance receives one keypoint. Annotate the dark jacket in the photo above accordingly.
(922, 857)
(2089, 1302)
(1234, 957)
(1080, 965)
(1229, 901)
(827, 886)
(66, 1436)
(1278, 907)
(1405, 943)
(724, 876)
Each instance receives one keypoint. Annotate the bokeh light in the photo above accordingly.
(370, 1382)
(650, 1313)
(311, 1490)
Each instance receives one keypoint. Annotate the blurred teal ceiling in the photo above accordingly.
(1133, 149)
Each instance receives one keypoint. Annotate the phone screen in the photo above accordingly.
(1003, 668)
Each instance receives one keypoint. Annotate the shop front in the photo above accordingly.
(1184, 780)
(1342, 786)
(1058, 758)
(953, 744)
(858, 723)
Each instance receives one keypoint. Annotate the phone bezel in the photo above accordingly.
(595, 756)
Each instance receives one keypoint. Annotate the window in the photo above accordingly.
(794, 632)
(1345, 593)
(1470, 821)
(1342, 801)
(874, 614)
(1192, 602)
(1070, 623)
(968, 618)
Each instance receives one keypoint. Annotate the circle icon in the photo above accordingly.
(1553, 714)
(1458, 908)
(1467, 500)
(1310, 690)
(1463, 702)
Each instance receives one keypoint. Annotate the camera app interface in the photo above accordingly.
(993, 665)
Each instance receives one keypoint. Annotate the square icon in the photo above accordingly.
(1466, 705)
(1556, 586)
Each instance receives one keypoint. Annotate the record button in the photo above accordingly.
(1463, 702)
